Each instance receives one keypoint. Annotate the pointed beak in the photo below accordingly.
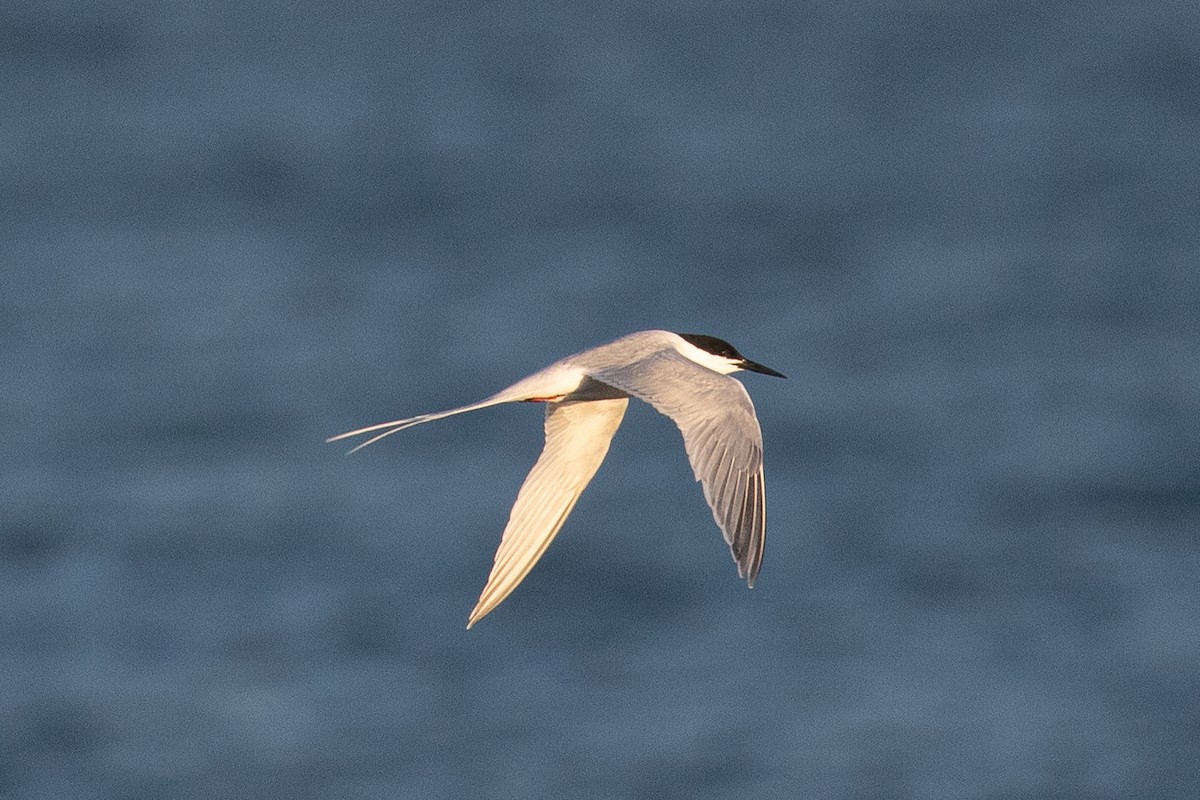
(754, 366)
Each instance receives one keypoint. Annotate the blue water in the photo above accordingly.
(968, 233)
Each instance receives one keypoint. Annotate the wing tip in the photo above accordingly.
(748, 571)
(479, 612)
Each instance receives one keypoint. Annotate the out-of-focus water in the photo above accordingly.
(966, 231)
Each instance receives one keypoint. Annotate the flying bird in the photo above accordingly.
(682, 375)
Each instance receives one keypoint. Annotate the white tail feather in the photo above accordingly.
(395, 426)
(552, 382)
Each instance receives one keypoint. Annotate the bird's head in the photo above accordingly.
(719, 355)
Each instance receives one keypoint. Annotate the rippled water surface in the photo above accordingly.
(967, 232)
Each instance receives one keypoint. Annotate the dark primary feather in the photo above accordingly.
(721, 436)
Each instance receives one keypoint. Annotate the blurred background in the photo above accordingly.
(967, 232)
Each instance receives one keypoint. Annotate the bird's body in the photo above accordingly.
(684, 376)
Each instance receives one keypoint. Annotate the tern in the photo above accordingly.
(682, 375)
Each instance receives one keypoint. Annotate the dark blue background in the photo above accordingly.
(966, 231)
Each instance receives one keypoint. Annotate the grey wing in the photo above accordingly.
(577, 439)
(722, 438)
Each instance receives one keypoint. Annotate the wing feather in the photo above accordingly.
(578, 434)
(721, 436)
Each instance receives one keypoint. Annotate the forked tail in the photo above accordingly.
(395, 426)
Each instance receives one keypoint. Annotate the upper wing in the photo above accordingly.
(722, 439)
(577, 439)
